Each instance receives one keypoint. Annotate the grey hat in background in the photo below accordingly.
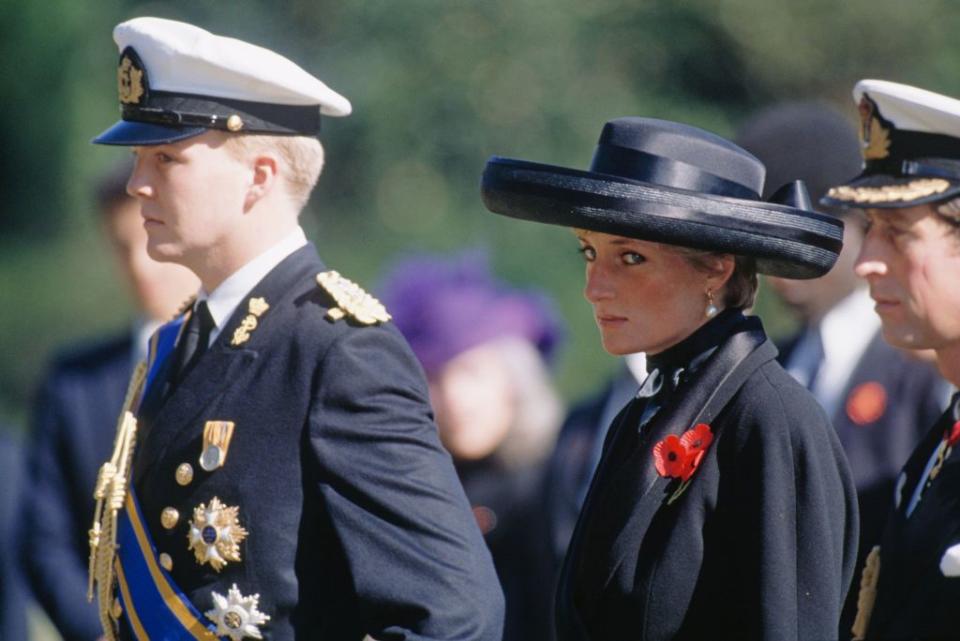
(810, 141)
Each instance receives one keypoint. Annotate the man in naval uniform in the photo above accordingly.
(909, 190)
(276, 472)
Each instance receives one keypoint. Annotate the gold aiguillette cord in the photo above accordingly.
(110, 492)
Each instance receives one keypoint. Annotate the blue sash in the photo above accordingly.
(153, 605)
(162, 344)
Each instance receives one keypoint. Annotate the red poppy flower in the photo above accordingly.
(699, 438)
(692, 463)
(953, 435)
(670, 456)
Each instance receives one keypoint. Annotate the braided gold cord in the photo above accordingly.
(110, 493)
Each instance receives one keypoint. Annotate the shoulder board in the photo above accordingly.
(351, 300)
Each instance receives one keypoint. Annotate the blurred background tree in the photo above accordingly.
(437, 87)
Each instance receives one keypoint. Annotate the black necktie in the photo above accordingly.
(193, 343)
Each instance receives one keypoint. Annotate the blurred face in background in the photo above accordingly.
(646, 296)
(911, 260)
(473, 401)
(158, 288)
(812, 299)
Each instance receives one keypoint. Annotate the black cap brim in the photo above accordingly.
(129, 133)
(884, 191)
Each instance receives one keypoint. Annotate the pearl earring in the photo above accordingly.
(711, 309)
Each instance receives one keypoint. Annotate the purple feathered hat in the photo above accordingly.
(445, 306)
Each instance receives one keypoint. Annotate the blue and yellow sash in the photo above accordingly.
(153, 605)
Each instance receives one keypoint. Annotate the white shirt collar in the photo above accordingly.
(223, 300)
(846, 330)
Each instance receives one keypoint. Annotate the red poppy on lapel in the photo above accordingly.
(680, 457)
(953, 435)
(670, 456)
(866, 403)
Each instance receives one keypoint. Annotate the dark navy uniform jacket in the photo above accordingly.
(356, 521)
(887, 406)
(915, 598)
(74, 422)
(761, 545)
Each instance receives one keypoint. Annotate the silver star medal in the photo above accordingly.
(236, 615)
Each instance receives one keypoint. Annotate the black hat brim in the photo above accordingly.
(884, 191)
(785, 241)
(131, 133)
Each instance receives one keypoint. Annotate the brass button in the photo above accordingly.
(169, 517)
(184, 474)
(166, 562)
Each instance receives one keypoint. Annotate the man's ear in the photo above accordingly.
(266, 173)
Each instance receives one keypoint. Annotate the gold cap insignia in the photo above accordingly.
(215, 534)
(351, 300)
(913, 190)
(237, 616)
(256, 307)
(216, 443)
(874, 135)
(129, 81)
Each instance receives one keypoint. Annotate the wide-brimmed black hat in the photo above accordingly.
(910, 140)
(676, 184)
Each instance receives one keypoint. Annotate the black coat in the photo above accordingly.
(357, 523)
(760, 546)
(74, 421)
(915, 600)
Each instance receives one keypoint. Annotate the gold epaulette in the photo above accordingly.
(868, 594)
(351, 300)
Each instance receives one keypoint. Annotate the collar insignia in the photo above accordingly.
(129, 80)
(237, 616)
(874, 131)
(256, 307)
(215, 534)
(351, 300)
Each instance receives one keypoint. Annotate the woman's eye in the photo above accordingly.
(632, 258)
(589, 253)
(164, 158)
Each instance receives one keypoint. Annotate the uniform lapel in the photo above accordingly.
(224, 365)
(622, 512)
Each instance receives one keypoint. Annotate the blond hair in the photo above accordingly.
(301, 156)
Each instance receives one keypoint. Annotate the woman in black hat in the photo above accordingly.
(722, 507)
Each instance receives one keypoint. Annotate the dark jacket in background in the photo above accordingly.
(13, 590)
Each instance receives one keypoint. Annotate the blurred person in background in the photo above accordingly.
(75, 413)
(881, 399)
(722, 506)
(486, 349)
(909, 191)
(13, 589)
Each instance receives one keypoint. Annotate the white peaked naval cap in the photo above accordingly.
(911, 148)
(176, 80)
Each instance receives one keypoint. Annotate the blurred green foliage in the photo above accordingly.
(437, 87)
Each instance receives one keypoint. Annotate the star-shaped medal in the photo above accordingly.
(215, 534)
(236, 615)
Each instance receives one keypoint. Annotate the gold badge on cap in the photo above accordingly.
(237, 616)
(256, 307)
(215, 534)
(216, 443)
(129, 82)
(873, 134)
(351, 300)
